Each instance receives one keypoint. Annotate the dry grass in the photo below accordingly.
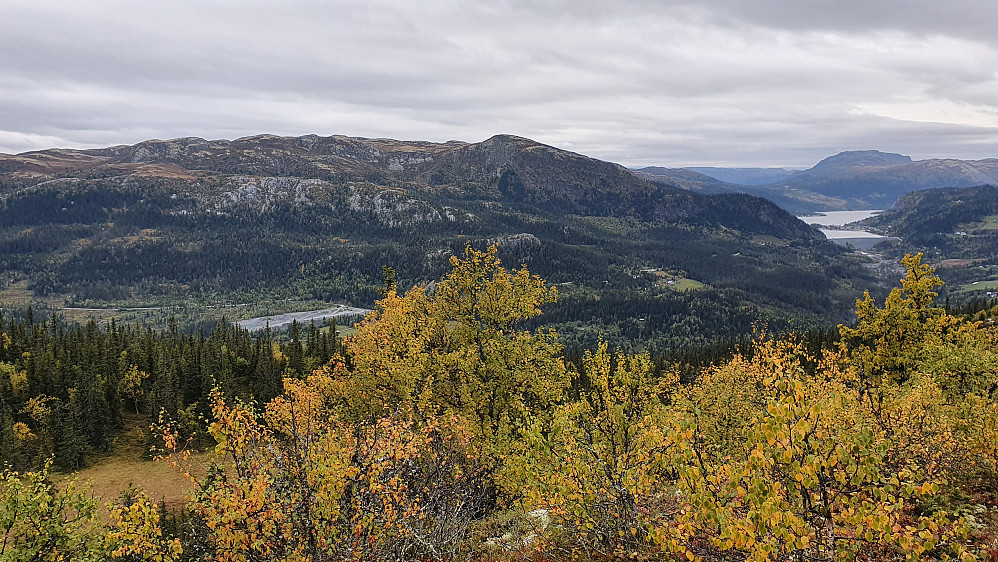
(127, 467)
(956, 263)
(16, 294)
(110, 478)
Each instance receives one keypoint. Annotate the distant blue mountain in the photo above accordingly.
(745, 176)
(856, 179)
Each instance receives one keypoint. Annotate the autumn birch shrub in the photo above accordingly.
(928, 378)
(133, 532)
(725, 398)
(298, 483)
(963, 364)
(458, 352)
(40, 521)
(599, 467)
(807, 481)
(891, 343)
(392, 453)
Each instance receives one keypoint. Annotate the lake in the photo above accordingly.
(839, 218)
(829, 220)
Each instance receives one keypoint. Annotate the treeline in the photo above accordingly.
(65, 390)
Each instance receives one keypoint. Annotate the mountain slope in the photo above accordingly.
(504, 167)
(266, 217)
(956, 228)
(874, 179)
(851, 162)
(797, 201)
(686, 179)
(924, 215)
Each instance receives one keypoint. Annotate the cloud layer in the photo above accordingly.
(774, 82)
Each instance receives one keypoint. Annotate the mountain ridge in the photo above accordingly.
(855, 179)
(270, 218)
(514, 168)
(744, 176)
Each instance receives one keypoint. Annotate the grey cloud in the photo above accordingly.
(640, 82)
(960, 18)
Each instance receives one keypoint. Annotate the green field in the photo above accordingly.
(683, 284)
(990, 222)
(989, 285)
(341, 331)
(676, 282)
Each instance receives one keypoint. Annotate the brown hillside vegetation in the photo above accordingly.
(443, 432)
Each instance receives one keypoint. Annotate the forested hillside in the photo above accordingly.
(957, 228)
(444, 430)
(929, 216)
(188, 223)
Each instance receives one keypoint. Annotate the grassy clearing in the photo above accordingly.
(676, 283)
(127, 467)
(341, 331)
(17, 294)
(108, 479)
(989, 285)
(987, 225)
(683, 284)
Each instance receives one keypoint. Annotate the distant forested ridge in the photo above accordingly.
(854, 179)
(924, 216)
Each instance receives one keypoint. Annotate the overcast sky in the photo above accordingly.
(728, 83)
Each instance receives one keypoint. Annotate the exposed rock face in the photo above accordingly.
(392, 208)
(522, 242)
(173, 151)
(251, 192)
